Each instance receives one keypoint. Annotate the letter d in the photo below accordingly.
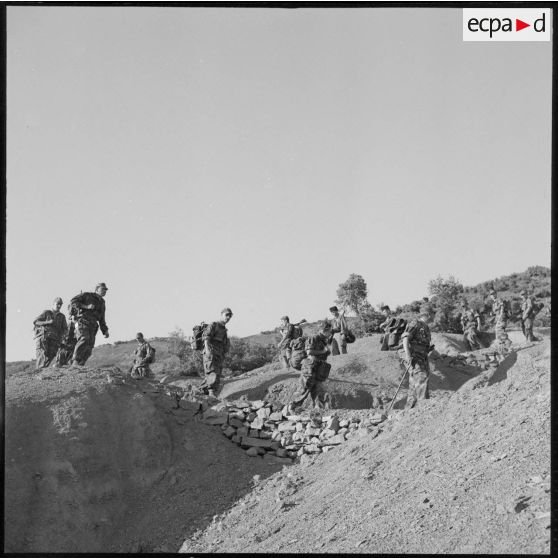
(540, 20)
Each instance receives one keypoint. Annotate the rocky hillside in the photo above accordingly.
(466, 472)
(98, 462)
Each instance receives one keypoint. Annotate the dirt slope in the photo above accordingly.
(100, 463)
(467, 472)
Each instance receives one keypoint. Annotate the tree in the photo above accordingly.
(352, 294)
(445, 299)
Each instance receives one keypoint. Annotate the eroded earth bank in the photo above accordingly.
(98, 462)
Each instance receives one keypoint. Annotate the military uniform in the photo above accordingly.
(66, 350)
(418, 335)
(310, 382)
(469, 321)
(338, 344)
(500, 310)
(216, 336)
(527, 316)
(87, 323)
(142, 358)
(284, 345)
(298, 352)
(48, 337)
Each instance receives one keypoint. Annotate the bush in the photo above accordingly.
(244, 356)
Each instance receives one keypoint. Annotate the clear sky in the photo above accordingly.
(254, 158)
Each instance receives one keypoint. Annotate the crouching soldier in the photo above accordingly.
(50, 330)
(143, 357)
(216, 346)
(414, 356)
(314, 371)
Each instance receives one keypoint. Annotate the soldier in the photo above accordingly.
(288, 334)
(66, 350)
(50, 329)
(414, 356)
(88, 312)
(216, 346)
(393, 328)
(527, 316)
(298, 352)
(338, 329)
(314, 371)
(143, 356)
(471, 324)
(500, 309)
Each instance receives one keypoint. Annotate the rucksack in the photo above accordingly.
(151, 355)
(395, 331)
(197, 341)
(313, 367)
(321, 370)
(537, 307)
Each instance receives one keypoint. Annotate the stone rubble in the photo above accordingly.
(265, 429)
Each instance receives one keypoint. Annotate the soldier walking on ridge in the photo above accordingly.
(216, 346)
(50, 330)
(527, 316)
(88, 312)
(414, 355)
(471, 324)
(500, 309)
(338, 329)
(143, 357)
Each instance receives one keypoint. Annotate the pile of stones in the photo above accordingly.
(267, 429)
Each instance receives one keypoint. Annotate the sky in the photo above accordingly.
(197, 158)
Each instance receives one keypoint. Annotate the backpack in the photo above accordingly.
(350, 336)
(395, 332)
(197, 342)
(151, 355)
(537, 307)
(313, 367)
(321, 370)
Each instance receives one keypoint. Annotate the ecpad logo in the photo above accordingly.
(487, 24)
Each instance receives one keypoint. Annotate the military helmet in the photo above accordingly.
(139, 335)
(227, 311)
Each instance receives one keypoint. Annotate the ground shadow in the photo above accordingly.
(502, 370)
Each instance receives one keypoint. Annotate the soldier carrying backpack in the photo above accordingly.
(314, 371)
(393, 330)
(529, 309)
(289, 332)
